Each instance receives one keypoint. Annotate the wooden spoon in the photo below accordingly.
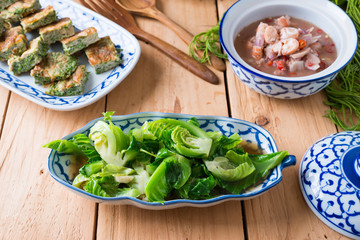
(148, 8)
(119, 15)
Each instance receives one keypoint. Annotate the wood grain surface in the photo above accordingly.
(4, 97)
(35, 206)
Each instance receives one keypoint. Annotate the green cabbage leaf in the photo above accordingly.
(109, 141)
(200, 184)
(186, 138)
(263, 164)
(79, 145)
(172, 173)
(232, 167)
(64, 146)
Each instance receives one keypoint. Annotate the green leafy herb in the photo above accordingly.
(344, 93)
(208, 42)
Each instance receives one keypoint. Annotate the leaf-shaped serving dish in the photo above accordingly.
(98, 85)
(63, 168)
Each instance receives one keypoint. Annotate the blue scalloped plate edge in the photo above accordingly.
(288, 161)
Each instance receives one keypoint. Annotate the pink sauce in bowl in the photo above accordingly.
(285, 46)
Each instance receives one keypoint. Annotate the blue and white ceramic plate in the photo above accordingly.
(98, 85)
(63, 168)
(330, 181)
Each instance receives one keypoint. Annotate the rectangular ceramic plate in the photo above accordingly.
(98, 85)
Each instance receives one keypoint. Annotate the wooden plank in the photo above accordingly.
(34, 205)
(159, 84)
(128, 222)
(295, 125)
(4, 97)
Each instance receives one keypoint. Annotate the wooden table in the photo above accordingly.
(34, 206)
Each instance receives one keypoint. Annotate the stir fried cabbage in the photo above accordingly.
(172, 173)
(109, 141)
(185, 138)
(164, 159)
(232, 167)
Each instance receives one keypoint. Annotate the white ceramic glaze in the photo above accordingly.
(330, 181)
(323, 13)
(98, 85)
(60, 165)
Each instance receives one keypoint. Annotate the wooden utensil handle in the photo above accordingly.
(186, 36)
(183, 59)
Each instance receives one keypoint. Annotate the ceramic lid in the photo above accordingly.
(330, 181)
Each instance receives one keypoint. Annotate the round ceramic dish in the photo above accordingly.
(323, 13)
(63, 168)
(330, 181)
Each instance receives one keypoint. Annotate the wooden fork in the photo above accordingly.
(112, 11)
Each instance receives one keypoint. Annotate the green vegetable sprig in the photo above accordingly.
(208, 42)
(344, 93)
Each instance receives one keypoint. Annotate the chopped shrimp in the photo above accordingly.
(312, 62)
(276, 47)
(270, 34)
(283, 21)
(269, 53)
(259, 37)
(257, 52)
(261, 29)
(289, 32)
(290, 46)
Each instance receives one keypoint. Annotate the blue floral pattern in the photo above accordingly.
(325, 180)
(98, 85)
(277, 89)
(251, 133)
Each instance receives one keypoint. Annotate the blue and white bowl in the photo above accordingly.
(63, 168)
(330, 181)
(323, 13)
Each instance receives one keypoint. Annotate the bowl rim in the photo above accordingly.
(290, 160)
(293, 79)
(305, 189)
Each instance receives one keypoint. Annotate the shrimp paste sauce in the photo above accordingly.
(285, 46)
